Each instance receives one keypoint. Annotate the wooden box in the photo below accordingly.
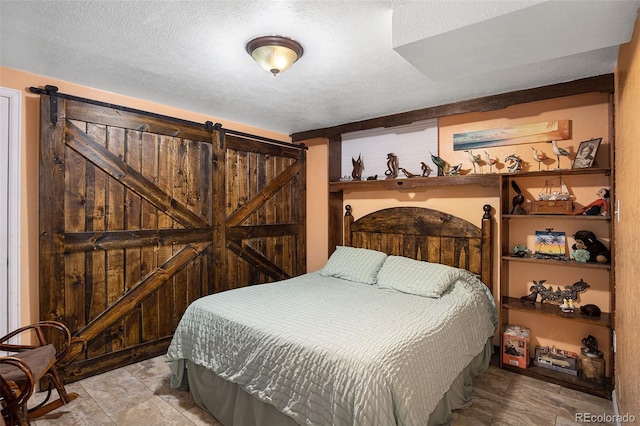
(552, 207)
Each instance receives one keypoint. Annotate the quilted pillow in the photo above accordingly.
(354, 264)
(417, 277)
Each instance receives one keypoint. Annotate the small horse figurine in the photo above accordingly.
(515, 163)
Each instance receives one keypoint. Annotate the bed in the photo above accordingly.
(390, 331)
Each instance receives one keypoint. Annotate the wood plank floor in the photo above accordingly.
(140, 394)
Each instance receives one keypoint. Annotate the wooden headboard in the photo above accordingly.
(426, 234)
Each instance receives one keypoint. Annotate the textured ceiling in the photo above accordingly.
(363, 59)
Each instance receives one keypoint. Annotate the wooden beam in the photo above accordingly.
(601, 83)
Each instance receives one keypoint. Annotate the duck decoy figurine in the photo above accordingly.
(538, 157)
(455, 170)
(559, 152)
(490, 161)
(439, 162)
(475, 159)
(426, 170)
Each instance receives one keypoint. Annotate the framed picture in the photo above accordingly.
(586, 153)
(550, 244)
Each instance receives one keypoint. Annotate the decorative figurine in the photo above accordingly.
(374, 177)
(455, 170)
(557, 296)
(580, 255)
(532, 297)
(356, 174)
(439, 162)
(598, 207)
(392, 166)
(591, 343)
(490, 161)
(590, 310)
(559, 152)
(586, 240)
(538, 157)
(407, 173)
(520, 251)
(518, 200)
(475, 159)
(515, 163)
(426, 170)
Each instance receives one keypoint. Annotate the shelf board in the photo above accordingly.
(555, 216)
(573, 382)
(554, 262)
(487, 180)
(552, 310)
(562, 172)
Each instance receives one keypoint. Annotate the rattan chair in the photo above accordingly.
(29, 364)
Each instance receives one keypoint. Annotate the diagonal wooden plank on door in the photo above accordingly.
(139, 292)
(132, 179)
(237, 217)
(256, 259)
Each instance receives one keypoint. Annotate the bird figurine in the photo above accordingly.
(558, 151)
(475, 159)
(490, 161)
(538, 157)
(518, 200)
(532, 297)
(426, 170)
(407, 173)
(455, 170)
(439, 162)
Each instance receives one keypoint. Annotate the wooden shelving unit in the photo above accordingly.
(516, 224)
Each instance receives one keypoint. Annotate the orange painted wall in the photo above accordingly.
(589, 116)
(19, 80)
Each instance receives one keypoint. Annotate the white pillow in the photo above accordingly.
(354, 264)
(417, 277)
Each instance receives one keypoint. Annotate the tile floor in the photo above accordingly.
(139, 394)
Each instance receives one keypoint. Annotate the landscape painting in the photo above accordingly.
(549, 243)
(529, 133)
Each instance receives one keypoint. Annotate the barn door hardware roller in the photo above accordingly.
(52, 91)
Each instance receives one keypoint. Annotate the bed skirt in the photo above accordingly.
(232, 406)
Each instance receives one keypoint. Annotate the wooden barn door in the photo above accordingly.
(133, 226)
(265, 210)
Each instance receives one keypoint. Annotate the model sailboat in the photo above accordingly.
(547, 193)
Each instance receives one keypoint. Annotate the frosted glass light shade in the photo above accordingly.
(274, 53)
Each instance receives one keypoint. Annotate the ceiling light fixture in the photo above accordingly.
(274, 53)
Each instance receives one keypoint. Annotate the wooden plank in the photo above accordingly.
(250, 255)
(96, 297)
(240, 144)
(193, 200)
(116, 117)
(126, 175)
(127, 239)
(51, 221)
(133, 221)
(115, 268)
(180, 282)
(263, 231)
(75, 266)
(166, 158)
(149, 222)
(219, 249)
